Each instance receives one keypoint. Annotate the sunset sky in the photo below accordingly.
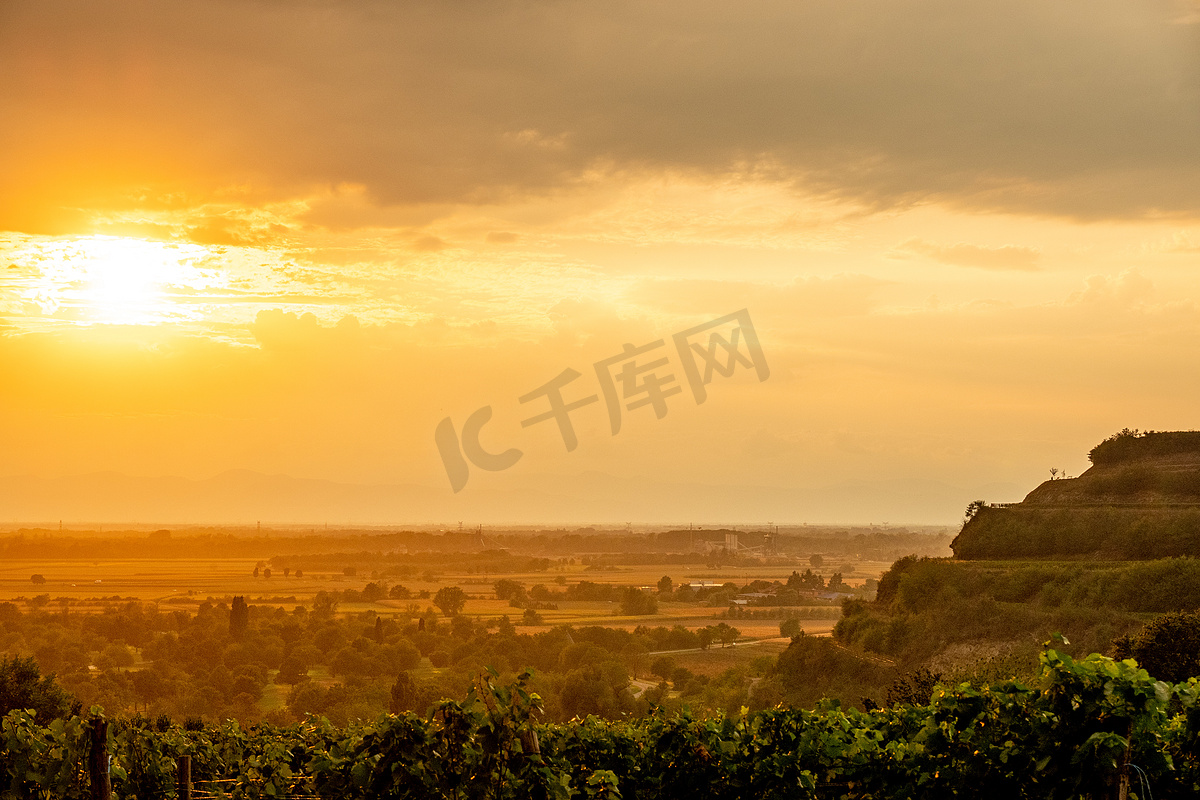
(292, 237)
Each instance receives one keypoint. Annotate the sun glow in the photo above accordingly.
(119, 281)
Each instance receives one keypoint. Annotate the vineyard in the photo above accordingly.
(1092, 728)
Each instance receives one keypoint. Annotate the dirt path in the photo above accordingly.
(734, 644)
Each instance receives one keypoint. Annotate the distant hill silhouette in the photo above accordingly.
(1140, 499)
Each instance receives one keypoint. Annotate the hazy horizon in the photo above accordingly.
(241, 497)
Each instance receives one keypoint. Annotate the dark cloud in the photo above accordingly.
(1085, 109)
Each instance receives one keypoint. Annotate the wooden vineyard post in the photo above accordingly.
(98, 760)
(185, 777)
(1123, 767)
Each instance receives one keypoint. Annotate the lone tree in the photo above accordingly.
(726, 634)
(239, 617)
(38, 579)
(665, 584)
(512, 591)
(791, 628)
(450, 599)
(404, 694)
(22, 686)
(636, 602)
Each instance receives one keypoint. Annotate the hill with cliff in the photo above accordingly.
(1139, 500)
(1095, 559)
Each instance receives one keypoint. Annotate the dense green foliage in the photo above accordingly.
(925, 606)
(1109, 532)
(817, 668)
(22, 686)
(1068, 734)
(1131, 445)
(1168, 646)
(254, 662)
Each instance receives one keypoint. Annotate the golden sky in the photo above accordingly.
(292, 237)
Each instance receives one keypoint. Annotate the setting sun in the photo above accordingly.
(117, 281)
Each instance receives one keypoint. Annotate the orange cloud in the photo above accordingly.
(1004, 257)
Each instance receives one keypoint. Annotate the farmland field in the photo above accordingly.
(272, 625)
(184, 584)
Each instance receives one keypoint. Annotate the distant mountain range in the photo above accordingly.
(245, 497)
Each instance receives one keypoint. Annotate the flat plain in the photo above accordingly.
(86, 585)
